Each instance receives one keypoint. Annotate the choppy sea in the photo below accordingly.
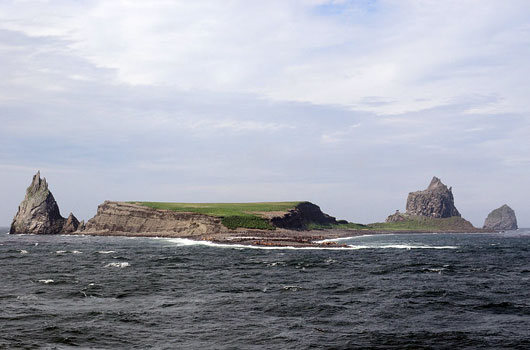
(422, 291)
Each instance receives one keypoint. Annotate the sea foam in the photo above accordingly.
(118, 264)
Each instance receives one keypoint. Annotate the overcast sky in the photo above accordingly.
(348, 104)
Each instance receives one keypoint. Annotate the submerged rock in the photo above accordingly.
(502, 218)
(436, 201)
(39, 213)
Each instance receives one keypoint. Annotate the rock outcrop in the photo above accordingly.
(71, 224)
(39, 213)
(436, 201)
(132, 219)
(301, 216)
(502, 218)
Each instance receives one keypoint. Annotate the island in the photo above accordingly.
(296, 223)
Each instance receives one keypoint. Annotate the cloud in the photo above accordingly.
(348, 104)
(411, 55)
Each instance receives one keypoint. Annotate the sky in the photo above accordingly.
(348, 104)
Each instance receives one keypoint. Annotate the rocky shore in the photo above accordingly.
(431, 210)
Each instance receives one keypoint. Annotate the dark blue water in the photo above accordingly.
(391, 292)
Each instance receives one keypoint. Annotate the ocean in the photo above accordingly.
(421, 291)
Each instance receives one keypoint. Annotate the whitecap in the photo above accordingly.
(106, 251)
(60, 252)
(190, 242)
(46, 281)
(401, 246)
(118, 264)
(293, 288)
(23, 251)
(76, 252)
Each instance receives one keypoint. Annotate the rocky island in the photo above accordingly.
(39, 213)
(433, 207)
(269, 223)
(501, 219)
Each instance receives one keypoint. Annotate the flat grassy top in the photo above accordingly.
(223, 209)
(234, 215)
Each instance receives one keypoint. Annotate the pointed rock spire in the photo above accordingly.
(39, 213)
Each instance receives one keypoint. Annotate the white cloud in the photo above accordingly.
(411, 55)
(228, 98)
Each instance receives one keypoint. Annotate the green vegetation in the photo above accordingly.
(234, 215)
(349, 225)
(420, 223)
(233, 222)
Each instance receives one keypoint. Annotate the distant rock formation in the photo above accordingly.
(39, 213)
(396, 217)
(502, 218)
(71, 224)
(436, 201)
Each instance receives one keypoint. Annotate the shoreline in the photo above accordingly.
(329, 238)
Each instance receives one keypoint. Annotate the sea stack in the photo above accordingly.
(39, 213)
(436, 201)
(502, 218)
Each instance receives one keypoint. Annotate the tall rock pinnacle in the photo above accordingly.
(436, 201)
(39, 213)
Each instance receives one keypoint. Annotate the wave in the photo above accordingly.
(106, 251)
(402, 246)
(190, 242)
(118, 264)
(46, 281)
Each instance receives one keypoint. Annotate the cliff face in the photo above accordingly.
(128, 218)
(302, 215)
(502, 218)
(39, 213)
(436, 201)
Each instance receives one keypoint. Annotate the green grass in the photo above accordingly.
(349, 225)
(233, 222)
(423, 223)
(234, 215)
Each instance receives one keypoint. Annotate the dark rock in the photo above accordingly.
(502, 218)
(39, 213)
(303, 214)
(71, 224)
(436, 201)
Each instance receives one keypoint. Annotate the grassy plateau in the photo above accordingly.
(233, 215)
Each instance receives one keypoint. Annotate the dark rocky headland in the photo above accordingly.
(303, 224)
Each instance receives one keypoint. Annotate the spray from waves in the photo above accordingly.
(402, 246)
(46, 281)
(190, 242)
(118, 264)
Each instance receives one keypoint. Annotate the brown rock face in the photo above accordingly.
(302, 215)
(130, 219)
(436, 201)
(71, 224)
(39, 213)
